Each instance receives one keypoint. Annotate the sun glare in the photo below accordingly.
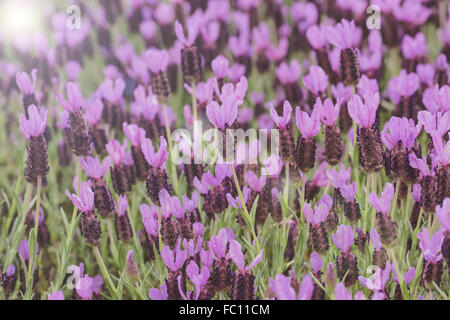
(19, 18)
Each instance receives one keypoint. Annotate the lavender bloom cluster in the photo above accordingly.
(354, 203)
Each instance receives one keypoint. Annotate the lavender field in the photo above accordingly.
(225, 150)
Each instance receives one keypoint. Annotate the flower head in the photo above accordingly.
(329, 112)
(174, 259)
(158, 159)
(319, 214)
(431, 246)
(338, 179)
(364, 114)
(159, 294)
(316, 80)
(157, 60)
(220, 66)
(383, 203)
(192, 28)
(235, 254)
(309, 126)
(288, 73)
(94, 112)
(34, 126)
(315, 261)
(257, 184)
(400, 129)
(85, 201)
(343, 35)
(122, 205)
(316, 37)
(74, 98)
(135, 134)
(281, 122)
(93, 168)
(116, 151)
(25, 84)
(344, 238)
(443, 214)
(349, 191)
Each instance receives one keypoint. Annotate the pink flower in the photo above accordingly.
(404, 85)
(25, 84)
(112, 91)
(74, 98)
(235, 254)
(57, 295)
(149, 219)
(342, 92)
(220, 66)
(420, 164)
(257, 184)
(316, 80)
(222, 115)
(133, 133)
(281, 122)
(438, 122)
(281, 287)
(34, 126)
(175, 259)
(197, 277)
(308, 126)
(343, 35)
(375, 238)
(288, 73)
(116, 151)
(344, 238)
(431, 247)
(157, 60)
(122, 205)
(317, 216)
(329, 112)
(412, 12)
(24, 250)
(159, 294)
(218, 244)
(261, 37)
(400, 129)
(349, 191)
(341, 293)
(315, 261)
(364, 114)
(93, 168)
(93, 113)
(414, 47)
(337, 179)
(192, 28)
(316, 37)
(436, 99)
(383, 203)
(158, 159)
(443, 214)
(73, 70)
(84, 202)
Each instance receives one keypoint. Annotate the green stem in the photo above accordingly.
(32, 246)
(244, 207)
(374, 189)
(394, 205)
(169, 143)
(401, 280)
(194, 103)
(105, 273)
(286, 189)
(113, 241)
